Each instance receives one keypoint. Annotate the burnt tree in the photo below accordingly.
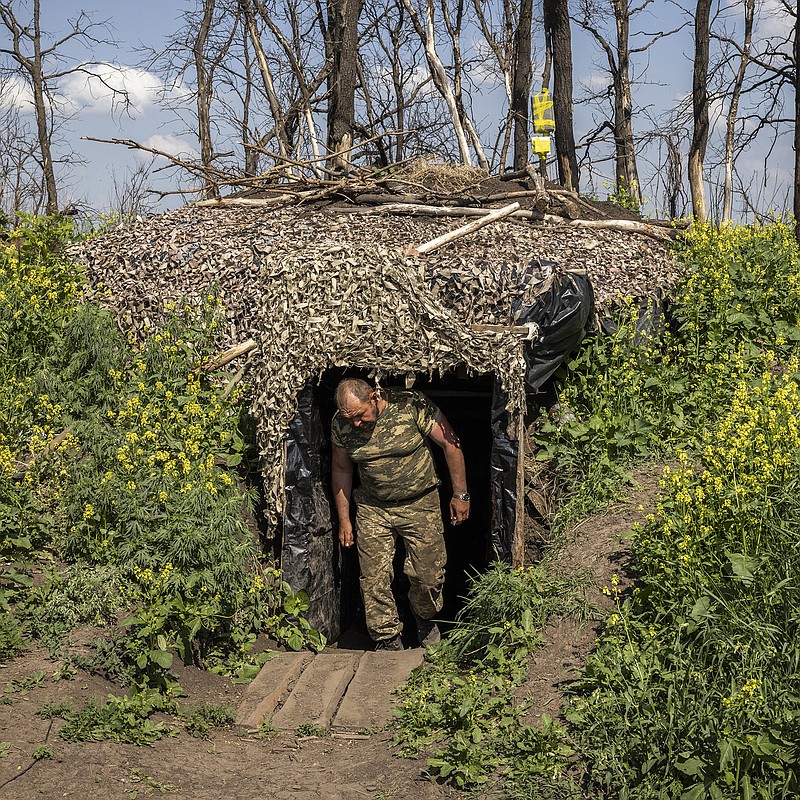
(697, 149)
(342, 48)
(521, 84)
(559, 40)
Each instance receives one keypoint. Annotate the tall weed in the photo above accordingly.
(126, 457)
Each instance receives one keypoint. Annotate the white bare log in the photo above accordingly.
(475, 225)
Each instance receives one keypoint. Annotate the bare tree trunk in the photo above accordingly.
(557, 27)
(40, 106)
(458, 69)
(697, 150)
(674, 178)
(204, 94)
(398, 84)
(266, 77)
(618, 56)
(29, 56)
(343, 18)
(251, 154)
(730, 127)
(438, 73)
(521, 88)
(504, 53)
(797, 127)
(306, 87)
(627, 172)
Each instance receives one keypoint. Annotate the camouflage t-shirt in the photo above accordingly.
(394, 460)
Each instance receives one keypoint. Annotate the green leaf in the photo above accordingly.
(690, 766)
(700, 609)
(696, 792)
(743, 566)
(162, 658)
(726, 752)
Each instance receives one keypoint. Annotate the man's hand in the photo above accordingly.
(346, 534)
(459, 511)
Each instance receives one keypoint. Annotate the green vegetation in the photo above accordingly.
(122, 467)
(693, 691)
(119, 719)
(463, 703)
(114, 456)
(310, 729)
(207, 716)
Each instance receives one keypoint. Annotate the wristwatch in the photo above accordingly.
(462, 496)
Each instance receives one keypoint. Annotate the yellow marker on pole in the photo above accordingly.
(543, 125)
(542, 107)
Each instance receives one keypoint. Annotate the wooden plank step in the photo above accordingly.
(318, 691)
(368, 702)
(270, 687)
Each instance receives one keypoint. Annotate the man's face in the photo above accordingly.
(360, 414)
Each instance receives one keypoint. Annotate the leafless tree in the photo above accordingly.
(521, 84)
(501, 32)
(342, 45)
(41, 61)
(130, 195)
(618, 52)
(303, 68)
(697, 149)
(733, 108)
(400, 88)
(21, 186)
(559, 41)
(453, 21)
(426, 32)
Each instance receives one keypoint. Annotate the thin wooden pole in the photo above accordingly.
(518, 544)
(230, 355)
(468, 228)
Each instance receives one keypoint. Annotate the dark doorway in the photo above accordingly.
(466, 401)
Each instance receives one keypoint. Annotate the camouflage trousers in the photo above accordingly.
(419, 525)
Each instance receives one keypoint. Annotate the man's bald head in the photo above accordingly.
(352, 388)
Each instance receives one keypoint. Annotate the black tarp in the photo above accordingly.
(311, 558)
(564, 315)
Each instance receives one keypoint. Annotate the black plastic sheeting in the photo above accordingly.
(505, 452)
(651, 320)
(311, 557)
(564, 314)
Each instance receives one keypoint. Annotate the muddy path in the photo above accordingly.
(234, 763)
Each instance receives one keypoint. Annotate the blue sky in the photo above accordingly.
(147, 23)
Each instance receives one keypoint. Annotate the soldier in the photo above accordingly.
(386, 432)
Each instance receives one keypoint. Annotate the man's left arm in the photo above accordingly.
(443, 434)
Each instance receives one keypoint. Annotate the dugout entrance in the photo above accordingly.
(310, 553)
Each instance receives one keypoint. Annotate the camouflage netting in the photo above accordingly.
(318, 289)
(350, 306)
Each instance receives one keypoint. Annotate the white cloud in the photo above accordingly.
(173, 145)
(15, 93)
(773, 21)
(595, 81)
(94, 92)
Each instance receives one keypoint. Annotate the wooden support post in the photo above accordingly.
(518, 544)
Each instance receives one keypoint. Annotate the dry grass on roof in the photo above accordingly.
(436, 176)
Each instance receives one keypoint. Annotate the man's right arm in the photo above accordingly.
(342, 485)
